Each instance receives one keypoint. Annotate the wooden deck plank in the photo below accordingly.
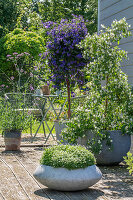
(30, 163)
(115, 183)
(1, 197)
(24, 178)
(93, 193)
(79, 195)
(7, 178)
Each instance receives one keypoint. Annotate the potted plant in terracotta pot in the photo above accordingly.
(14, 119)
(67, 168)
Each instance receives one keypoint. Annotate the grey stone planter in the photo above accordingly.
(60, 126)
(121, 145)
(67, 180)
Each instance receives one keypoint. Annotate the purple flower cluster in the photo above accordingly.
(16, 55)
(64, 57)
(47, 24)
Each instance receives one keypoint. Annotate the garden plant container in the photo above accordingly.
(120, 146)
(67, 168)
(45, 90)
(67, 180)
(12, 140)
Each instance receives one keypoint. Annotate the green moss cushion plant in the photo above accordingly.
(67, 156)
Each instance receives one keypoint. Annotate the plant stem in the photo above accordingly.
(106, 99)
(69, 99)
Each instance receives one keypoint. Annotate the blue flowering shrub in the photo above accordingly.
(63, 56)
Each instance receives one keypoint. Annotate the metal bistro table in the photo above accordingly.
(49, 99)
(45, 99)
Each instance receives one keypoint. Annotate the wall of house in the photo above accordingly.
(117, 9)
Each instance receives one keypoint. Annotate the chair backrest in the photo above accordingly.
(25, 100)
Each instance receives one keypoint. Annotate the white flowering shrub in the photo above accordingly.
(113, 100)
(109, 106)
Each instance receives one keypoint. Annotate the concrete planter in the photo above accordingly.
(12, 140)
(121, 145)
(67, 180)
(60, 126)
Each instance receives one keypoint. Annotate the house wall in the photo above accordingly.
(117, 9)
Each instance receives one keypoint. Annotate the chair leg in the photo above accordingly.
(44, 129)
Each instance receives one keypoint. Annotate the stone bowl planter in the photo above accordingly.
(67, 180)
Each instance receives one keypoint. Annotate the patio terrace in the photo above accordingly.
(17, 181)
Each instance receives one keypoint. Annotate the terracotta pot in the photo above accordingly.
(12, 140)
(45, 90)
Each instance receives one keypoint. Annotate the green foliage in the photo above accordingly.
(8, 14)
(66, 156)
(78, 125)
(105, 55)
(13, 115)
(28, 18)
(129, 162)
(115, 95)
(56, 10)
(108, 107)
(23, 77)
(19, 41)
(89, 120)
(24, 41)
(19, 13)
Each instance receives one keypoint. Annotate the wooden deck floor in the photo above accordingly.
(17, 181)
